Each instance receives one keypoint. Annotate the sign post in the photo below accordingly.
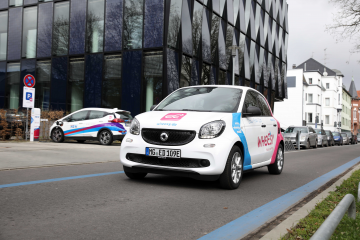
(28, 102)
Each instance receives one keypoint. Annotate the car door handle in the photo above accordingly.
(263, 126)
(275, 125)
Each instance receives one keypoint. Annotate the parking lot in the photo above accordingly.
(80, 200)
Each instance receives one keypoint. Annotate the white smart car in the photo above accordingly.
(102, 124)
(205, 132)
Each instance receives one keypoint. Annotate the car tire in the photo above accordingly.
(80, 141)
(105, 137)
(307, 146)
(134, 176)
(231, 177)
(278, 165)
(316, 145)
(57, 135)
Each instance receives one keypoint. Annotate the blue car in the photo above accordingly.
(338, 138)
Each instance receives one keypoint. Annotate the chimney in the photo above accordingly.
(294, 66)
(305, 67)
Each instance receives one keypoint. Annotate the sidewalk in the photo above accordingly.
(17, 155)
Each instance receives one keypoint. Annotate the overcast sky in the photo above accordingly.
(307, 36)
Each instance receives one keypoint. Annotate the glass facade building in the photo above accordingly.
(130, 54)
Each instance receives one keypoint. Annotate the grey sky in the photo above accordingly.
(307, 36)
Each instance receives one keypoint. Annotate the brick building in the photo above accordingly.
(355, 104)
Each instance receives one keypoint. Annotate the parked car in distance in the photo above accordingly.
(338, 138)
(358, 137)
(355, 140)
(102, 124)
(346, 140)
(330, 138)
(321, 137)
(308, 136)
(350, 137)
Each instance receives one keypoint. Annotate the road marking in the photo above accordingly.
(57, 179)
(249, 222)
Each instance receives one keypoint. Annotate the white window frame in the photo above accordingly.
(327, 102)
(327, 119)
(310, 97)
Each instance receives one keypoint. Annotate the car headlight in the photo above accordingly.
(212, 129)
(135, 127)
(302, 138)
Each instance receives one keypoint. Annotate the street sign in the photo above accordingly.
(28, 97)
(29, 81)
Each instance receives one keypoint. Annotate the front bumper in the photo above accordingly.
(217, 156)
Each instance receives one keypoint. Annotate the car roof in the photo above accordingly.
(105, 109)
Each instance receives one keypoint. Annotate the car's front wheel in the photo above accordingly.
(307, 144)
(233, 172)
(105, 137)
(278, 166)
(57, 135)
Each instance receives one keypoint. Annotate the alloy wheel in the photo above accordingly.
(236, 167)
(105, 137)
(280, 159)
(57, 134)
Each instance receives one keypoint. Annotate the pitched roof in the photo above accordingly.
(338, 73)
(313, 65)
(352, 90)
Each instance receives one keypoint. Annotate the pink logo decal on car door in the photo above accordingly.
(173, 117)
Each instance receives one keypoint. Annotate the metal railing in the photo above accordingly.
(347, 204)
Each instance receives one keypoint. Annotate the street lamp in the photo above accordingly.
(233, 49)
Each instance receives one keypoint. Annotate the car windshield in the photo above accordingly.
(344, 135)
(336, 134)
(349, 134)
(327, 132)
(295, 129)
(203, 99)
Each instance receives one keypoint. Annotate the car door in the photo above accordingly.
(253, 129)
(313, 136)
(270, 131)
(76, 124)
(95, 122)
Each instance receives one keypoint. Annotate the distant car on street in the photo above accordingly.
(330, 138)
(322, 138)
(354, 138)
(350, 137)
(308, 136)
(358, 137)
(102, 124)
(346, 140)
(338, 138)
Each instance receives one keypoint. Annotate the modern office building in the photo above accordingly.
(130, 54)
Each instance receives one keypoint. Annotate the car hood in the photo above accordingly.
(179, 119)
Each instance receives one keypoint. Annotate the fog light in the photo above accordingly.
(209, 145)
(204, 163)
(129, 140)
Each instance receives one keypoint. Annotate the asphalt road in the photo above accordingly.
(158, 207)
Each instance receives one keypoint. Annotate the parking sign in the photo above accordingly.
(29, 97)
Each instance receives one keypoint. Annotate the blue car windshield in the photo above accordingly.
(336, 134)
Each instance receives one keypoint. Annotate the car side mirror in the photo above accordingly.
(252, 111)
(152, 107)
(59, 123)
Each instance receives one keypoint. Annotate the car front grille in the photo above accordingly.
(175, 137)
(168, 162)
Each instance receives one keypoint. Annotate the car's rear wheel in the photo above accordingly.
(132, 175)
(233, 172)
(57, 135)
(278, 165)
(105, 137)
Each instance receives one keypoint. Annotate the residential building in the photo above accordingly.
(346, 110)
(355, 104)
(130, 54)
(314, 97)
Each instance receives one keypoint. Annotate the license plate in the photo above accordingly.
(165, 153)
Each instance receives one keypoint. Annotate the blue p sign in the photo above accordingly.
(28, 96)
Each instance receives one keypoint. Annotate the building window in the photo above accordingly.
(111, 85)
(327, 119)
(42, 96)
(13, 85)
(133, 24)
(327, 85)
(185, 75)
(306, 96)
(339, 99)
(76, 84)
(15, 3)
(310, 80)
(310, 97)
(327, 101)
(61, 29)
(29, 33)
(319, 99)
(44, 30)
(95, 26)
(310, 117)
(205, 76)
(153, 72)
(3, 34)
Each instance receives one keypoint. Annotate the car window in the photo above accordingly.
(97, 114)
(327, 132)
(295, 129)
(124, 115)
(318, 131)
(312, 130)
(264, 106)
(344, 135)
(79, 116)
(250, 101)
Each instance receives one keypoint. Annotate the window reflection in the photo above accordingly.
(153, 72)
(222, 45)
(236, 11)
(215, 22)
(111, 85)
(133, 24)
(42, 96)
(13, 85)
(95, 26)
(205, 75)
(229, 43)
(77, 26)
(45, 30)
(222, 8)
(29, 33)
(15, 3)
(3, 34)
(185, 75)
(174, 23)
(216, 5)
(186, 27)
(206, 43)
(197, 28)
(59, 73)
(222, 78)
(14, 38)
(172, 70)
(61, 29)
(154, 23)
(230, 11)
(113, 25)
(76, 84)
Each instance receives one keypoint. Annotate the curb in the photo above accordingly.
(293, 220)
